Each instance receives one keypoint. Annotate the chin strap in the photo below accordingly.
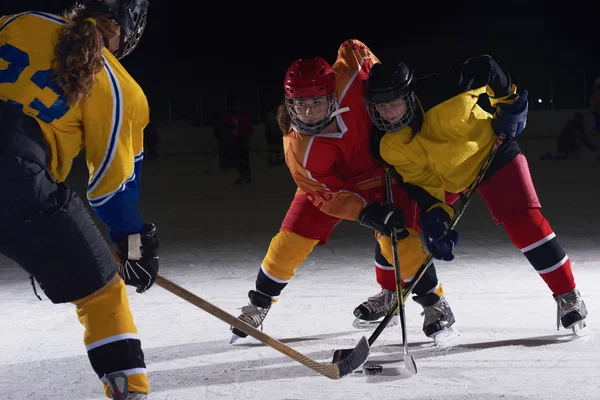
(339, 111)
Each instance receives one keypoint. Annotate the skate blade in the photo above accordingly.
(580, 328)
(362, 324)
(446, 337)
(234, 338)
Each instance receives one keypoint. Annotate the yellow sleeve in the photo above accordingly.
(3, 19)
(114, 118)
(413, 171)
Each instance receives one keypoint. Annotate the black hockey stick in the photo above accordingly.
(466, 196)
(409, 361)
(358, 356)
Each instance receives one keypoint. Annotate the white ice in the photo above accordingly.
(214, 235)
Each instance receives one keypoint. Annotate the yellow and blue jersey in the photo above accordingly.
(109, 124)
(446, 146)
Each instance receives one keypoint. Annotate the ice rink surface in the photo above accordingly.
(214, 235)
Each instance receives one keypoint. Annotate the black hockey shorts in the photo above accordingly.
(44, 225)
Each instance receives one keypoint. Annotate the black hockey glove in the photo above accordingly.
(510, 119)
(383, 219)
(139, 258)
(435, 224)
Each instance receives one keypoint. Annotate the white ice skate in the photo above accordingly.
(571, 312)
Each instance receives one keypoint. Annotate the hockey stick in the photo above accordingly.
(356, 359)
(409, 361)
(466, 196)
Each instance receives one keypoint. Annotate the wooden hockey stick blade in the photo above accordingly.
(333, 371)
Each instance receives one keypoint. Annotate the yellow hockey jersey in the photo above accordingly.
(109, 124)
(446, 146)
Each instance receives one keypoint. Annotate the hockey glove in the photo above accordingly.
(138, 255)
(383, 220)
(510, 119)
(435, 224)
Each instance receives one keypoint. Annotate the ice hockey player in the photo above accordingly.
(438, 138)
(326, 145)
(63, 88)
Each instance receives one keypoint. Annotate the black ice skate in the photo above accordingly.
(118, 384)
(439, 319)
(369, 313)
(571, 312)
(253, 314)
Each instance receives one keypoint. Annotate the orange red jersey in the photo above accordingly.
(335, 169)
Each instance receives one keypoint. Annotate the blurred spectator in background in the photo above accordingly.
(570, 140)
(223, 131)
(274, 138)
(242, 129)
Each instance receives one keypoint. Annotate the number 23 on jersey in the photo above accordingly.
(13, 62)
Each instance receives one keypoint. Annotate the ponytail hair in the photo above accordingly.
(78, 51)
(283, 119)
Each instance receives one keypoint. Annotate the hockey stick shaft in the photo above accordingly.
(425, 266)
(408, 359)
(332, 371)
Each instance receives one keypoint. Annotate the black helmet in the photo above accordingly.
(131, 17)
(389, 83)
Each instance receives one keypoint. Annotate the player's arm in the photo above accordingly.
(114, 153)
(421, 184)
(312, 165)
(510, 117)
(352, 54)
(3, 19)
(429, 193)
(484, 71)
(114, 158)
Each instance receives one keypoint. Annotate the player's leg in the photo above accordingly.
(49, 233)
(428, 291)
(511, 198)
(303, 228)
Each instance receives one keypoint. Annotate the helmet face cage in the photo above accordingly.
(391, 111)
(301, 109)
(132, 19)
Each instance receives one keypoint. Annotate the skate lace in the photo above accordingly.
(567, 303)
(382, 300)
(253, 315)
(434, 313)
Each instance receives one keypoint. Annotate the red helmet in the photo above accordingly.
(309, 78)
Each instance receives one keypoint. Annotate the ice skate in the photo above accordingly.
(571, 312)
(369, 313)
(439, 323)
(253, 314)
(118, 384)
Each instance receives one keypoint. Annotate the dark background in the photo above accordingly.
(197, 54)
